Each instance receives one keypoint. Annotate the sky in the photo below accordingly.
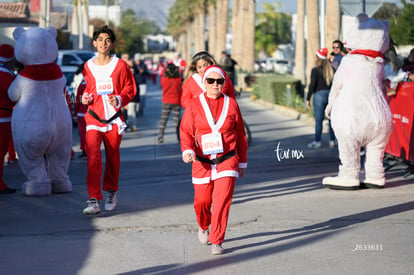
(289, 6)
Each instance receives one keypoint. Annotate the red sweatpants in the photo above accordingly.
(82, 131)
(5, 139)
(112, 141)
(218, 193)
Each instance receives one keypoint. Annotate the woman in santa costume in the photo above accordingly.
(213, 139)
(109, 86)
(193, 86)
(6, 108)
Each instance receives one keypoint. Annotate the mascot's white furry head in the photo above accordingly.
(368, 34)
(35, 46)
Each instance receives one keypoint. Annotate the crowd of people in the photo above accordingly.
(111, 93)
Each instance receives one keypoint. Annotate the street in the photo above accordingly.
(282, 220)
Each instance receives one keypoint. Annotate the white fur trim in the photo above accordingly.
(201, 180)
(188, 152)
(320, 56)
(210, 70)
(198, 80)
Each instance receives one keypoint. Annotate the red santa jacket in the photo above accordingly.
(80, 109)
(171, 90)
(6, 105)
(114, 78)
(193, 87)
(198, 120)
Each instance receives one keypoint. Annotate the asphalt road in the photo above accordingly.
(282, 220)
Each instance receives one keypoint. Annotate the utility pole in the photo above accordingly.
(44, 16)
(107, 12)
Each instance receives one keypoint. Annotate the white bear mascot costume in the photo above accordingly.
(41, 121)
(359, 113)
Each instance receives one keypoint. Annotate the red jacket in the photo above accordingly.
(80, 109)
(122, 85)
(196, 123)
(171, 90)
(193, 87)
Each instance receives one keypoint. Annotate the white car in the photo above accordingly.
(278, 65)
(73, 57)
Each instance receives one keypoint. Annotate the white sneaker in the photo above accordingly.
(92, 208)
(315, 145)
(203, 236)
(111, 201)
(332, 143)
(217, 249)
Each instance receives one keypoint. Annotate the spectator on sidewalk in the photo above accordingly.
(320, 84)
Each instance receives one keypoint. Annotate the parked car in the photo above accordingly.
(69, 73)
(278, 65)
(73, 57)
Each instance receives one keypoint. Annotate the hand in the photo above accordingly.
(113, 100)
(187, 158)
(307, 104)
(242, 171)
(87, 98)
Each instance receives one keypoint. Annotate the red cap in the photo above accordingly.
(322, 53)
(6, 52)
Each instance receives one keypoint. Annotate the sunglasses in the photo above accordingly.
(220, 81)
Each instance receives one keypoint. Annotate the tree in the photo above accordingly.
(313, 41)
(249, 28)
(273, 28)
(300, 43)
(131, 31)
(222, 19)
(333, 21)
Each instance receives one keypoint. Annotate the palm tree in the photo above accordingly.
(249, 41)
(222, 18)
(75, 23)
(212, 28)
(237, 24)
(333, 21)
(313, 41)
(300, 43)
(85, 24)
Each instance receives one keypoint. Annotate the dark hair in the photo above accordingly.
(104, 29)
(341, 45)
(172, 71)
(198, 56)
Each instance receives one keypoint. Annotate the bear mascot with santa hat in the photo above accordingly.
(41, 121)
(359, 112)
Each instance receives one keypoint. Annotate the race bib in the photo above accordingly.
(212, 143)
(104, 86)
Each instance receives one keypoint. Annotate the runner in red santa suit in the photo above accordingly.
(213, 139)
(109, 86)
(6, 108)
(193, 86)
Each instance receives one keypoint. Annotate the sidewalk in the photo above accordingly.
(282, 220)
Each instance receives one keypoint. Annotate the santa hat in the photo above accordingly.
(6, 52)
(211, 69)
(322, 53)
